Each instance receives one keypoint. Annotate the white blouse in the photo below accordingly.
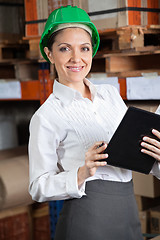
(62, 130)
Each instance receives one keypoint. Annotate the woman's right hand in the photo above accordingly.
(92, 162)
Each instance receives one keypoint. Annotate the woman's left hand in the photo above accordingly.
(152, 146)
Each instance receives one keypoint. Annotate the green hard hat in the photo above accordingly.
(64, 15)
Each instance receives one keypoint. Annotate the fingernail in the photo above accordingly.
(106, 155)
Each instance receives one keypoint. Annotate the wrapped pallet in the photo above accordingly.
(119, 13)
(104, 14)
(36, 13)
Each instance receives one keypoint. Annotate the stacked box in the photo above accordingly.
(144, 220)
(145, 203)
(155, 220)
(53, 4)
(146, 185)
(104, 14)
(34, 50)
(37, 12)
(27, 71)
(112, 14)
(156, 238)
(153, 17)
(150, 18)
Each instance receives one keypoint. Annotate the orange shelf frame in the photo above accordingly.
(123, 88)
(40, 89)
(30, 90)
(35, 89)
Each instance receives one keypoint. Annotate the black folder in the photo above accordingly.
(124, 146)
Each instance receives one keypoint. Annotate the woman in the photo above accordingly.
(66, 136)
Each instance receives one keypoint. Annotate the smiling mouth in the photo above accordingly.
(75, 69)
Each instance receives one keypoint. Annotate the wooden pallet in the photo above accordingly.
(117, 63)
(34, 50)
(130, 38)
(125, 39)
(22, 70)
(135, 73)
(13, 50)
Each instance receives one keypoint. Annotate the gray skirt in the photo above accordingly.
(107, 212)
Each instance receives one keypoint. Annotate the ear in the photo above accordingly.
(49, 54)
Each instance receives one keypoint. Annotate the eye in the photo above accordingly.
(64, 49)
(85, 49)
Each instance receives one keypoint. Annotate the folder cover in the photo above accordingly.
(124, 146)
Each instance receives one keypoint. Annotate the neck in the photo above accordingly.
(80, 87)
(83, 89)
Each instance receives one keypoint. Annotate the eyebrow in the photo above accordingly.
(70, 44)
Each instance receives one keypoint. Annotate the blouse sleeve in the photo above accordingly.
(47, 181)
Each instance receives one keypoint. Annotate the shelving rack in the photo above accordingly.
(126, 49)
(29, 91)
(36, 89)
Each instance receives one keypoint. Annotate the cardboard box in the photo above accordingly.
(53, 4)
(146, 185)
(155, 220)
(156, 238)
(27, 70)
(37, 12)
(144, 220)
(112, 14)
(34, 50)
(150, 17)
(109, 14)
(145, 203)
(104, 14)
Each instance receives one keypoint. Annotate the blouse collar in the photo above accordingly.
(67, 94)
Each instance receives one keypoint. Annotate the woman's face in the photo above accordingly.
(72, 55)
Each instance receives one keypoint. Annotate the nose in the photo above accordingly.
(76, 56)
